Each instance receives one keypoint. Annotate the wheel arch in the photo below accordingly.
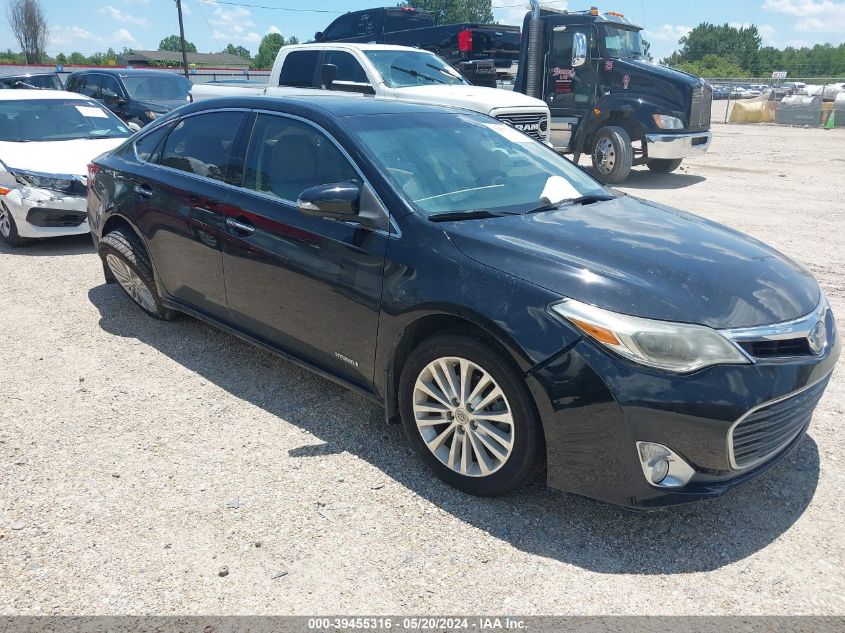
(114, 222)
(430, 324)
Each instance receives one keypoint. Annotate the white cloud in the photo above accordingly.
(816, 16)
(120, 16)
(274, 29)
(62, 35)
(515, 15)
(668, 32)
(123, 37)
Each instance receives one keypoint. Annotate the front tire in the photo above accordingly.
(126, 259)
(468, 415)
(664, 165)
(612, 154)
(8, 228)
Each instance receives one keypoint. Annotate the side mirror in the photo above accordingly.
(113, 99)
(361, 87)
(337, 200)
(328, 75)
(579, 49)
(318, 36)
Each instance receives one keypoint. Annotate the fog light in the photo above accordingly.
(662, 467)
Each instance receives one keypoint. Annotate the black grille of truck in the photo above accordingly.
(768, 429)
(535, 125)
(702, 100)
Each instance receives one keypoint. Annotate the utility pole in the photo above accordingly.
(182, 38)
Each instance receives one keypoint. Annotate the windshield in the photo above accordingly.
(450, 162)
(57, 120)
(401, 69)
(43, 82)
(161, 87)
(623, 43)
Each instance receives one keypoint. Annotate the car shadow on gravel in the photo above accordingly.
(52, 247)
(646, 179)
(567, 528)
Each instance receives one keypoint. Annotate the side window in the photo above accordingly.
(344, 26)
(299, 69)
(73, 84)
(91, 86)
(147, 145)
(110, 87)
(348, 68)
(286, 156)
(204, 145)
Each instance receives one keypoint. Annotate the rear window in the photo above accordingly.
(42, 82)
(299, 69)
(406, 20)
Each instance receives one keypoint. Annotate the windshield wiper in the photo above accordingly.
(415, 73)
(472, 214)
(588, 199)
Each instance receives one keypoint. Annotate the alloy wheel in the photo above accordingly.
(463, 416)
(131, 283)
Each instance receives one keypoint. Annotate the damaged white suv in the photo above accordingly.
(47, 139)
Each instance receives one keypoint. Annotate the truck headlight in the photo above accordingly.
(676, 347)
(666, 122)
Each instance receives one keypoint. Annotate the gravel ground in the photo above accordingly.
(138, 458)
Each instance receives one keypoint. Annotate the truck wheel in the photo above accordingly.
(612, 154)
(664, 165)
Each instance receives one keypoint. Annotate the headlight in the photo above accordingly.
(666, 122)
(43, 181)
(677, 347)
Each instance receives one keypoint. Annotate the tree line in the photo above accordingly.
(712, 50)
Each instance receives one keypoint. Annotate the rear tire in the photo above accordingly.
(612, 154)
(664, 165)
(474, 438)
(126, 259)
(9, 230)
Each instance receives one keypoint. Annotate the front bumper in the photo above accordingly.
(596, 406)
(40, 213)
(672, 146)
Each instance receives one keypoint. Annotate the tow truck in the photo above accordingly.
(606, 97)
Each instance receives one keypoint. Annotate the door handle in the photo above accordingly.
(244, 228)
(143, 190)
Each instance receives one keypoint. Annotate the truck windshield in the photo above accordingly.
(401, 69)
(623, 43)
(462, 163)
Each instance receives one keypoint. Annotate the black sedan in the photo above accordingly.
(517, 317)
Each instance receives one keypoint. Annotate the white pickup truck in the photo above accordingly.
(387, 72)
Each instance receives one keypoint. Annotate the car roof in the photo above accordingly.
(126, 72)
(18, 95)
(320, 105)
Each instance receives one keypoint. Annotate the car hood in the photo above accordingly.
(56, 157)
(636, 257)
(476, 98)
(160, 106)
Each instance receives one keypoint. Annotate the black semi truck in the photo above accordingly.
(606, 98)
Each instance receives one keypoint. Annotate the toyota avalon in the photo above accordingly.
(514, 315)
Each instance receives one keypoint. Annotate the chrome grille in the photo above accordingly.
(535, 125)
(700, 106)
(767, 429)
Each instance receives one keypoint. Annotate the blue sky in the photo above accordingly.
(93, 25)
